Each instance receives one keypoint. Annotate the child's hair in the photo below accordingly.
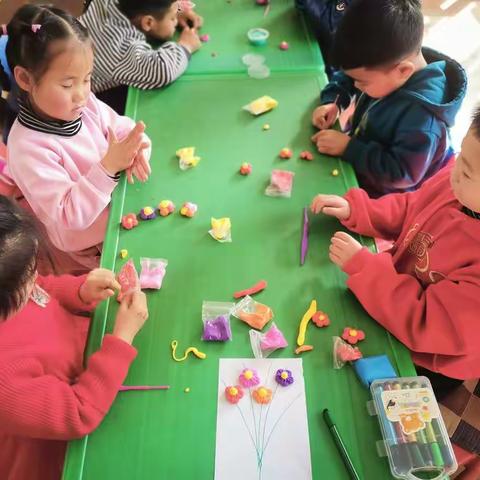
(31, 31)
(135, 8)
(19, 247)
(376, 33)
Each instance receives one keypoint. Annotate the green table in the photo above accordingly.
(227, 23)
(171, 434)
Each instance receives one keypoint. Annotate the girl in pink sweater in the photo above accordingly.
(46, 394)
(66, 149)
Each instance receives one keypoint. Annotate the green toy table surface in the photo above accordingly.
(227, 23)
(171, 434)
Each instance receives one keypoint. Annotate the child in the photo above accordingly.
(406, 97)
(323, 17)
(426, 289)
(63, 151)
(120, 30)
(46, 395)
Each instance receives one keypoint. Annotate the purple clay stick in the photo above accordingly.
(304, 244)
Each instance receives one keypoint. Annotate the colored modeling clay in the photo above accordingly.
(205, 37)
(188, 209)
(281, 182)
(284, 45)
(284, 377)
(320, 319)
(147, 213)
(261, 105)
(166, 207)
(233, 394)
(264, 344)
(187, 390)
(335, 172)
(193, 350)
(217, 329)
(153, 271)
(262, 395)
(258, 287)
(255, 314)
(248, 378)
(245, 168)
(123, 253)
(343, 353)
(221, 229)
(129, 221)
(306, 155)
(304, 242)
(285, 153)
(258, 36)
(352, 335)
(187, 158)
(303, 348)
(304, 322)
(266, 127)
(128, 280)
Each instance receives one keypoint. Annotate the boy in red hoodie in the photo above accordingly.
(426, 289)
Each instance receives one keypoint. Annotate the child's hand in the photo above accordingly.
(342, 248)
(131, 316)
(324, 116)
(99, 285)
(120, 154)
(140, 167)
(332, 205)
(189, 39)
(331, 142)
(189, 18)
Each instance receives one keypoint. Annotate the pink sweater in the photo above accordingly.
(62, 179)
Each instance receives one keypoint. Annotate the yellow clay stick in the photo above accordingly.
(304, 322)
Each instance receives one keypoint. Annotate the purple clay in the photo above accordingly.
(217, 330)
(147, 213)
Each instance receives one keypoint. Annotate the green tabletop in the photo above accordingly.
(227, 23)
(171, 434)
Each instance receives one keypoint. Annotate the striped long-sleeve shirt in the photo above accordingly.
(122, 54)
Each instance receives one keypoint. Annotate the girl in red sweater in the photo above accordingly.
(47, 396)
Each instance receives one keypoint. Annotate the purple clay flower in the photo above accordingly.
(284, 377)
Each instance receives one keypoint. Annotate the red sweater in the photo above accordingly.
(46, 395)
(426, 290)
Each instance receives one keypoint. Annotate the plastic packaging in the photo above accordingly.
(281, 184)
(255, 314)
(128, 279)
(258, 36)
(221, 229)
(264, 344)
(261, 105)
(343, 353)
(153, 272)
(216, 321)
(415, 438)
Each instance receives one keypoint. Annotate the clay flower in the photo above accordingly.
(234, 394)
(147, 213)
(284, 377)
(352, 335)
(320, 319)
(129, 221)
(306, 155)
(262, 395)
(347, 353)
(165, 208)
(248, 378)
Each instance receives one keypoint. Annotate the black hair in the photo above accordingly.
(376, 33)
(28, 47)
(135, 8)
(476, 122)
(19, 247)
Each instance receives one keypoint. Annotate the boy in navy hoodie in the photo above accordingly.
(406, 97)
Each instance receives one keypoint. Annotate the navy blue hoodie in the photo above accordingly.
(402, 139)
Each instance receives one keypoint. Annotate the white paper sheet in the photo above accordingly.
(262, 442)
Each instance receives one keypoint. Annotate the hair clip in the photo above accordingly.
(36, 27)
(4, 29)
(184, 5)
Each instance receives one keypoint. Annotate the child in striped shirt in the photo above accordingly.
(124, 34)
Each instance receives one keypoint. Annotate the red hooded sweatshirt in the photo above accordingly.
(426, 289)
(46, 394)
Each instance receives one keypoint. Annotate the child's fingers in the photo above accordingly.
(129, 174)
(334, 258)
(345, 237)
(331, 211)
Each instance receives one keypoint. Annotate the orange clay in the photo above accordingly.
(257, 319)
(303, 348)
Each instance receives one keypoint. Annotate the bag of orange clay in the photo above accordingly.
(253, 313)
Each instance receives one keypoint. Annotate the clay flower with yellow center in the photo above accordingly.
(320, 319)
(248, 378)
(234, 393)
(262, 395)
(284, 377)
(352, 335)
(147, 213)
